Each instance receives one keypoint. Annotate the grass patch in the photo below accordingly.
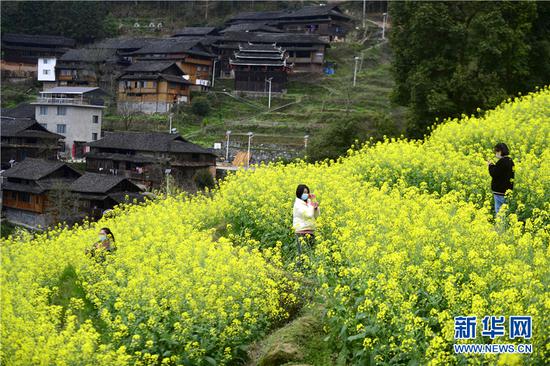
(69, 288)
(7, 229)
(299, 342)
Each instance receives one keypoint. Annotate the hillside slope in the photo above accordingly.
(406, 241)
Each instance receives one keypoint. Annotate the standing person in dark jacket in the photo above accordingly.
(502, 173)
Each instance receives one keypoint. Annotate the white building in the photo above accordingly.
(74, 112)
(46, 68)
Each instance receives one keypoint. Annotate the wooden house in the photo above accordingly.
(193, 57)
(99, 64)
(152, 87)
(143, 157)
(24, 137)
(100, 192)
(255, 64)
(20, 52)
(327, 21)
(25, 189)
(83, 67)
(251, 27)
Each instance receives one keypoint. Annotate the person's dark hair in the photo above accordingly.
(108, 232)
(503, 148)
(300, 190)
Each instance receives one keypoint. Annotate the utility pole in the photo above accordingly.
(227, 133)
(364, 13)
(269, 93)
(170, 119)
(167, 172)
(384, 25)
(250, 134)
(213, 72)
(355, 70)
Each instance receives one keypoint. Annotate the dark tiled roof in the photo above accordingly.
(260, 48)
(260, 15)
(25, 127)
(194, 31)
(150, 66)
(38, 39)
(148, 141)
(22, 110)
(260, 37)
(97, 183)
(175, 79)
(258, 62)
(89, 55)
(168, 45)
(168, 77)
(305, 12)
(251, 27)
(259, 55)
(34, 169)
(12, 126)
(124, 157)
(124, 43)
(20, 187)
(312, 11)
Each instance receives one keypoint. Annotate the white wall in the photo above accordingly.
(46, 69)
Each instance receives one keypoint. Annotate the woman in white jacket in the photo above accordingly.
(305, 211)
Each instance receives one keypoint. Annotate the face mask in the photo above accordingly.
(498, 156)
(102, 237)
(305, 196)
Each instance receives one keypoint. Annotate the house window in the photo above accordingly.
(94, 136)
(195, 157)
(43, 110)
(61, 128)
(154, 84)
(14, 195)
(61, 110)
(45, 61)
(45, 125)
(24, 197)
(45, 72)
(95, 119)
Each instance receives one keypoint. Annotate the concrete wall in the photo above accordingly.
(78, 121)
(144, 107)
(25, 218)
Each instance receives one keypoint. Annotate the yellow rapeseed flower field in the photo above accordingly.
(406, 241)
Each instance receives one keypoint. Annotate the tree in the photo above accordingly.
(200, 106)
(127, 115)
(85, 21)
(62, 204)
(342, 133)
(454, 57)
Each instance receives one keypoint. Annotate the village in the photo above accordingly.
(63, 127)
(274, 183)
